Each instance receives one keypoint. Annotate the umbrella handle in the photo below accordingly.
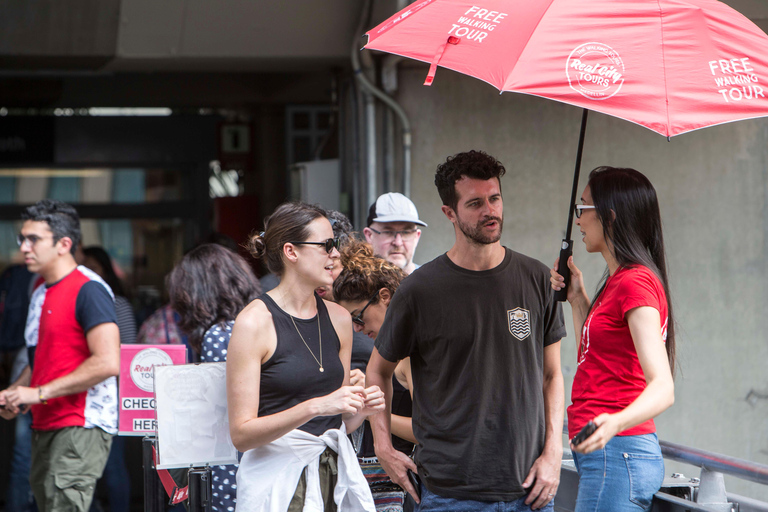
(566, 251)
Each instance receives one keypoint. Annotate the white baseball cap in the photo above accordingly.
(394, 207)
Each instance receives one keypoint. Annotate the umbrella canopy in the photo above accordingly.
(672, 66)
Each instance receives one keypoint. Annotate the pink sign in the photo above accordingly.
(137, 385)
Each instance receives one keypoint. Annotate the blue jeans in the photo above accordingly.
(19, 495)
(622, 477)
(431, 502)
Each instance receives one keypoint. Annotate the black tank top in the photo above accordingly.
(402, 406)
(292, 375)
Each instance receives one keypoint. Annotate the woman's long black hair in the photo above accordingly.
(628, 209)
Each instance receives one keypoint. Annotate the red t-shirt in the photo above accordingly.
(58, 319)
(609, 376)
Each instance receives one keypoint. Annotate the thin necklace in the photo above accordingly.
(319, 334)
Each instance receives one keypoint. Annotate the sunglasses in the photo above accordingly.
(579, 208)
(330, 244)
(358, 318)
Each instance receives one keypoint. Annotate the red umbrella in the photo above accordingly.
(672, 66)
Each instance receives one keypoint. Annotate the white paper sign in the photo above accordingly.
(192, 421)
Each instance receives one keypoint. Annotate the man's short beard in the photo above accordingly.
(475, 234)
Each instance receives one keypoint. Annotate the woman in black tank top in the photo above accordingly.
(289, 355)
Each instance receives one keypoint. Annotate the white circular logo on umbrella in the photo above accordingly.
(595, 71)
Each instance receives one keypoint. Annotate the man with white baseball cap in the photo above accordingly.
(393, 230)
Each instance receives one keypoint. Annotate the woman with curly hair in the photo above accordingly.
(365, 288)
(208, 288)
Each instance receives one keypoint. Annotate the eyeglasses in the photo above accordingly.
(578, 208)
(330, 244)
(388, 236)
(358, 318)
(30, 239)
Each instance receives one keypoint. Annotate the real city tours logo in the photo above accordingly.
(143, 367)
(595, 71)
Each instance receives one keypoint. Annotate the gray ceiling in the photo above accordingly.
(236, 36)
(187, 53)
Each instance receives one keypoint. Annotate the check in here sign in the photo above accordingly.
(137, 384)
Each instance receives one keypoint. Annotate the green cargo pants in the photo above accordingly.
(65, 466)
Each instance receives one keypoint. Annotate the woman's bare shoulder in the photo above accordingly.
(254, 315)
(254, 332)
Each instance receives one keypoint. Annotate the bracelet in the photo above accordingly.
(40, 396)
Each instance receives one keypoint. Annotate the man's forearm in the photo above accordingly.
(381, 423)
(92, 371)
(554, 398)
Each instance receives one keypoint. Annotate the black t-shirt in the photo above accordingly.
(94, 306)
(476, 341)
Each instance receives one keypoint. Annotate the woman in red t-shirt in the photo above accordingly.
(626, 351)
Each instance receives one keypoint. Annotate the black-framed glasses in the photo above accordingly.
(388, 235)
(330, 244)
(358, 318)
(578, 208)
(30, 239)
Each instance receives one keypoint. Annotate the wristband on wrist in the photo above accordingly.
(40, 396)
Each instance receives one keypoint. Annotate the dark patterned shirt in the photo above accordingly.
(214, 350)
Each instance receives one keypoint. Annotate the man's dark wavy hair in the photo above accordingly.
(61, 218)
(472, 164)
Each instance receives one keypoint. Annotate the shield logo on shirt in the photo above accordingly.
(519, 323)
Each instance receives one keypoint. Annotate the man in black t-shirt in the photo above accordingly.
(483, 331)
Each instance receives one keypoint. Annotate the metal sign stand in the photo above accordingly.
(200, 489)
(154, 494)
(200, 484)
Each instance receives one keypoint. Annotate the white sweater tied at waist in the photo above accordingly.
(268, 475)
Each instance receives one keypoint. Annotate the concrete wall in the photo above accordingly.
(712, 186)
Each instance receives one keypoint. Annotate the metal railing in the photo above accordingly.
(706, 493)
(725, 464)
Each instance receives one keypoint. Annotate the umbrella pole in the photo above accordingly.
(566, 250)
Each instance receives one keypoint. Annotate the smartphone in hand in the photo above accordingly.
(415, 482)
(584, 433)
